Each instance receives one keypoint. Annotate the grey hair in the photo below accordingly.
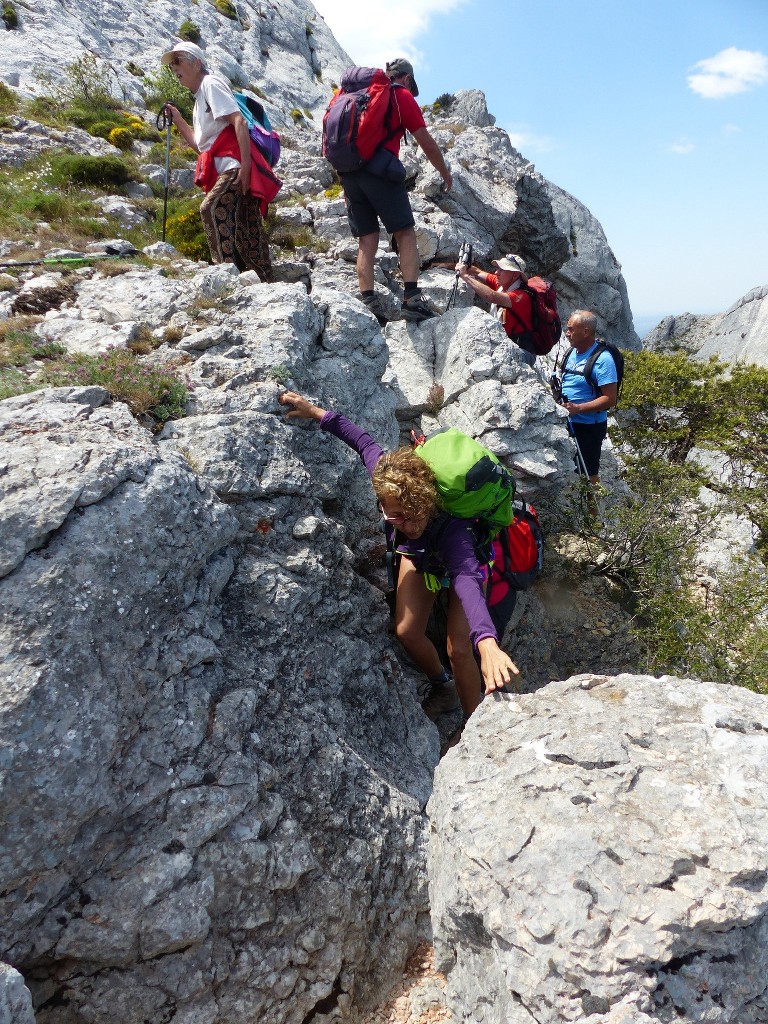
(586, 319)
(191, 59)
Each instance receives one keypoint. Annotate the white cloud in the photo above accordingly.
(682, 147)
(374, 31)
(526, 141)
(729, 72)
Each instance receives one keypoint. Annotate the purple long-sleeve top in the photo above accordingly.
(444, 550)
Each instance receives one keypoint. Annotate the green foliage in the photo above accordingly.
(297, 115)
(333, 191)
(146, 390)
(444, 102)
(9, 101)
(19, 345)
(134, 69)
(101, 171)
(290, 237)
(10, 15)
(164, 87)
(184, 230)
(189, 30)
(88, 83)
(647, 539)
(122, 138)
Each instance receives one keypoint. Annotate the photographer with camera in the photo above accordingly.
(505, 289)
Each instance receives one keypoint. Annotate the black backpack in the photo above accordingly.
(588, 372)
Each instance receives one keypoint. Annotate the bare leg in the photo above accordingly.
(466, 673)
(366, 257)
(413, 605)
(409, 254)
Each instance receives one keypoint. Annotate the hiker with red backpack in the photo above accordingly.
(362, 129)
(238, 181)
(527, 307)
(436, 549)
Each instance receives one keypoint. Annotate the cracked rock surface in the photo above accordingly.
(598, 854)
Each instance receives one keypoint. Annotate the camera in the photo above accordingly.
(466, 254)
(557, 388)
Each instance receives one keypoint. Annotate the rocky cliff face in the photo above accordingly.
(740, 335)
(213, 764)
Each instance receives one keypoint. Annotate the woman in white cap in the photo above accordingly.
(238, 182)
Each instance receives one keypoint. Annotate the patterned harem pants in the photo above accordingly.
(234, 228)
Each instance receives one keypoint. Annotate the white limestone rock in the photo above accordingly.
(598, 853)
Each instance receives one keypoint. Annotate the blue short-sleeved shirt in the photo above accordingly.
(576, 388)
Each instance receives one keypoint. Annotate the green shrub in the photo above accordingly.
(444, 102)
(227, 8)
(122, 138)
(189, 30)
(134, 69)
(9, 101)
(10, 16)
(164, 87)
(99, 171)
(333, 191)
(185, 232)
(297, 115)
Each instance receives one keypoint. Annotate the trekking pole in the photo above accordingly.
(164, 123)
(582, 466)
(71, 259)
(465, 256)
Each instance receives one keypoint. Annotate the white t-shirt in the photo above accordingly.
(213, 100)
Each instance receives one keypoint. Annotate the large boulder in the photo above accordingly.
(598, 855)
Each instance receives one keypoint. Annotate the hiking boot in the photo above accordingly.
(415, 309)
(373, 304)
(438, 696)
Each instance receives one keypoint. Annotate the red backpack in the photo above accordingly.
(354, 125)
(544, 331)
(518, 554)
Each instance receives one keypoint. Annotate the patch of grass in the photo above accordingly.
(227, 8)
(333, 191)
(435, 398)
(190, 31)
(10, 16)
(297, 116)
(144, 341)
(19, 345)
(9, 101)
(289, 237)
(147, 390)
(134, 69)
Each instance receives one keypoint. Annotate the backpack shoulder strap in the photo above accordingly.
(589, 369)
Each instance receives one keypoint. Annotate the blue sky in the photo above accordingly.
(654, 115)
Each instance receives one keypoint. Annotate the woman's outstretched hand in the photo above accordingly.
(497, 667)
(300, 407)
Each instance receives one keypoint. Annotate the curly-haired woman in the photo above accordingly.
(407, 492)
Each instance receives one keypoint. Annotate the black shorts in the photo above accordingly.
(370, 198)
(589, 438)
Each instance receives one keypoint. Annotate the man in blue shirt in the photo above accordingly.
(588, 401)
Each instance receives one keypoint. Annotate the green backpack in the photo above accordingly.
(472, 482)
